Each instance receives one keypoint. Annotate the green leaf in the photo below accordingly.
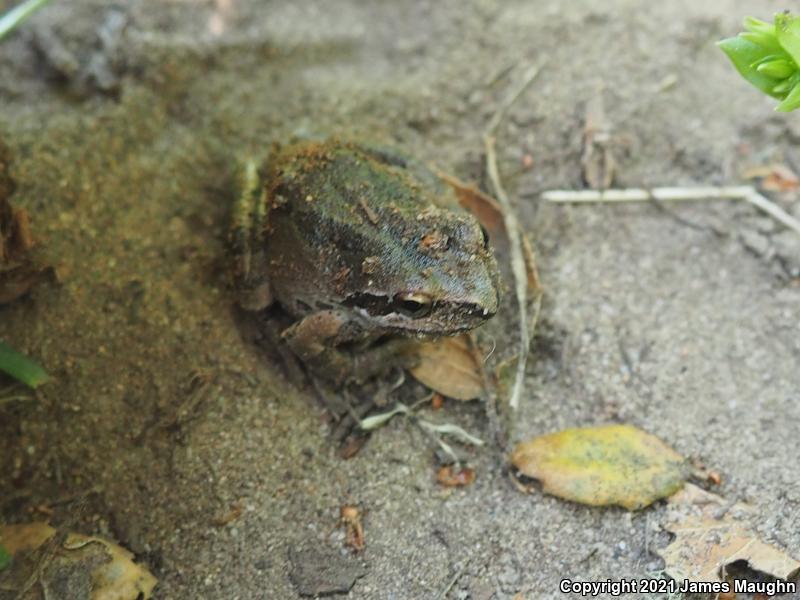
(779, 68)
(784, 86)
(766, 41)
(758, 26)
(5, 557)
(787, 29)
(791, 101)
(768, 59)
(744, 53)
(21, 367)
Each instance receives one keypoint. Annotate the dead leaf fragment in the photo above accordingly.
(111, 571)
(605, 465)
(452, 476)
(710, 535)
(774, 178)
(597, 160)
(727, 595)
(350, 519)
(448, 366)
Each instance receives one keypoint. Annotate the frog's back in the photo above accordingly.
(338, 179)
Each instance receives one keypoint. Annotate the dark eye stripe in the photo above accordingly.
(372, 303)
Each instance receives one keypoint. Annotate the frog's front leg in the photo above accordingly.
(318, 339)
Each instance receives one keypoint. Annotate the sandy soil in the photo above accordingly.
(688, 331)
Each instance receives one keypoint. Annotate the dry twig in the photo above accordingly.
(513, 230)
(662, 194)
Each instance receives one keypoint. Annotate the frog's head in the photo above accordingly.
(437, 277)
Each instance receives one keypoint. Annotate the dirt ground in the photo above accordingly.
(684, 323)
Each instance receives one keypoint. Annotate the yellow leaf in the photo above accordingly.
(114, 576)
(605, 465)
(710, 535)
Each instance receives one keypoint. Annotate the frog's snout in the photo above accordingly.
(490, 304)
(483, 306)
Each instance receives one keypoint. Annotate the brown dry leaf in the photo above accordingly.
(606, 465)
(710, 535)
(450, 476)
(481, 205)
(350, 518)
(448, 366)
(114, 576)
(597, 161)
(731, 595)
(774, 178)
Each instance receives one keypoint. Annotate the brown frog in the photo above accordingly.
(353, 243)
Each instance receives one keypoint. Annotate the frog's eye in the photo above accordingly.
(414, 306)
(485, 235)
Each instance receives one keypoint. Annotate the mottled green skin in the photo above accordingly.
(353, 242)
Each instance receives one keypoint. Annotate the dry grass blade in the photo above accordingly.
(747, 193)
(773, 210)
(15, 16)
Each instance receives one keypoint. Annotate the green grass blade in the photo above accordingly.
(21, 367)
(18, 14)
(5, 558)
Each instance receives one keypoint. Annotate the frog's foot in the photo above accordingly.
(380, 358)
(318, 339)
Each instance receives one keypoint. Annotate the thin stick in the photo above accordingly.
(513, 230)
(526, 80)
(747, 193)
(643, 195)
(773, 210)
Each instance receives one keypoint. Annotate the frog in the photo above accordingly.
(365, 250)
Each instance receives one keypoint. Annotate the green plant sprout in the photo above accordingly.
(767, 55)
(18, 14)
(5, 558)
(20, 367)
